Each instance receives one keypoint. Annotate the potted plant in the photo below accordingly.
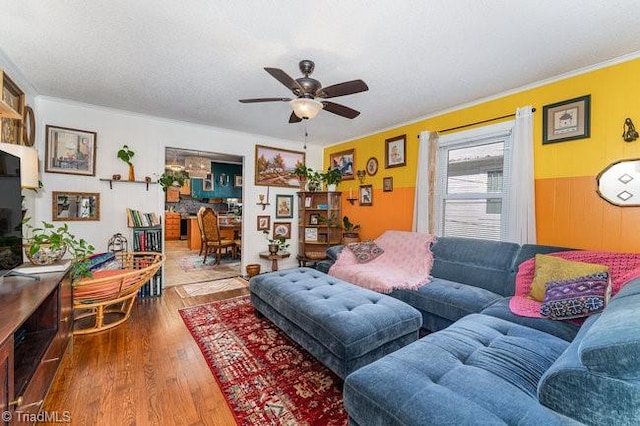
(48, 244)
(171, 178)
(302, 172)
(349, 231)
(275, 244)
(315, 181)
(126, 154)
(332, 177)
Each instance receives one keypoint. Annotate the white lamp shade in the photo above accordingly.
(306, 108)
(28, 163)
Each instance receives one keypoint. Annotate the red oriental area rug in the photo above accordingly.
(267, 379)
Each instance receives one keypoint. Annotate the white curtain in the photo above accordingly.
(522, 203)
(425, 182)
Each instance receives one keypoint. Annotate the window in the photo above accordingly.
(473, 183)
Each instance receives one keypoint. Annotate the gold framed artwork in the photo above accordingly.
(284, 206)
(275, 166)
(395, 152)
(343, 161)
(567, 120)
(387, 184)
(73, 206)
(372, 166)
(70, 151)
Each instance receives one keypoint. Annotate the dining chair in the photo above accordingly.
(212, 239)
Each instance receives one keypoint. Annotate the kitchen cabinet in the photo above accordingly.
(172, 226)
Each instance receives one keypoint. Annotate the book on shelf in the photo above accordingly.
(136, 219)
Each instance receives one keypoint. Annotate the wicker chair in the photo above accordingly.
(106, 300)
(213, 241)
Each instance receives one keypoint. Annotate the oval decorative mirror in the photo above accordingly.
(75, 206)
(619, 183)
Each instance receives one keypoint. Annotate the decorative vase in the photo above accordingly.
(350, 237)
(253, 270)
(273, 248)
(332, 187)
(132, 173)
(46, 255)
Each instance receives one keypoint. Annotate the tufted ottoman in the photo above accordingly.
(344, 326)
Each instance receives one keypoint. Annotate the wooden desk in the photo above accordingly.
(274, 258)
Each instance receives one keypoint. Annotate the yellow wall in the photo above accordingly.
(568, 210)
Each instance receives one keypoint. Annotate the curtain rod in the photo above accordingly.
(481, 122)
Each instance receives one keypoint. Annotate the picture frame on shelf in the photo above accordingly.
(343, 161)
(282, 229)
(323, 237)
(264, 223)
(311, 235)
(307, 202)
(567, 120)
(387, 184)
(314, 219)
(395, 152)
(275, 166)
(284, 206)
(70, 151)
(366, 195)
(237, 181)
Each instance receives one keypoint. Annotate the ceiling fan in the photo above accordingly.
(310, 95)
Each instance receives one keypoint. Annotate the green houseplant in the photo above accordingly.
(276, 244)
(126, 154)
(350, 232)
(48, 244)
(332, 177)
(171, 178)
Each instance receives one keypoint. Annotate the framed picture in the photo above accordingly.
(70, 151)
(282, 229)
(343, 161)
(323, 237)
(207, 183)
(275, 166)
(14, 98)
(395, 152)
(366, 195)
(284, 206)
(237, 181)
(264, 223)
(566, 120)
(311, 234)
(372, 166)
(307, 202)
(387, 184)
(68, 206)
(314, 219)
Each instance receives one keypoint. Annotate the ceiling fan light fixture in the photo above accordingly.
(305, 107)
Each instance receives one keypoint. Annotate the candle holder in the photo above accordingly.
(361, 175)
(262, 201)
(352, 199)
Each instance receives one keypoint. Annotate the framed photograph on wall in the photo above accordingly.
(237, 181)
(282, 229)
(70, 151)
(566, 120)
(275, 166)
(343, 161)
(395, 152)
(207, 183)
(387, 184)
(264, 223)
(284, 206)
(366, 195)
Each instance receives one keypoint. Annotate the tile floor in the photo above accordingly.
(174, 274)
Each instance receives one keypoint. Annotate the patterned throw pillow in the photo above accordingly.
(551, 268)
(365, 251)
(577, 297)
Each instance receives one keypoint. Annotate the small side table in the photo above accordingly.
(274, 258)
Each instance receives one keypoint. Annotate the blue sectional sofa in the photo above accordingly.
(481, 364)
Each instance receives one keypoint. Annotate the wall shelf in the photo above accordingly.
(111, 181)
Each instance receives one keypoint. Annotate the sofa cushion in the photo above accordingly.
(550, 268)
(365, 251)
(447, 299)
(334, 251)
(576, 297)
(480, 263)
(480, 370)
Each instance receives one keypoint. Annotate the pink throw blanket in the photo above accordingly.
(623, 267)
(406, 263)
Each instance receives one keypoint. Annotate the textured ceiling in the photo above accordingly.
(193, 60)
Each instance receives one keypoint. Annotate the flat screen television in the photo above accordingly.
(10, 213)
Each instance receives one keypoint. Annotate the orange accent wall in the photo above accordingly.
(568, 210)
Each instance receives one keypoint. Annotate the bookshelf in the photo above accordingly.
(149, 238)
(319, 214)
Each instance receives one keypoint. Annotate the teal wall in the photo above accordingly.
(219, 191)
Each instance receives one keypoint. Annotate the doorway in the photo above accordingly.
(214, 181)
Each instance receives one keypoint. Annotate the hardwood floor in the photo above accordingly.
(148, 371)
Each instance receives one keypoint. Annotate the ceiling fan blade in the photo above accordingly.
(341, 110)
(294, 118)
(285, 79)
(342, 89)
(249, 101)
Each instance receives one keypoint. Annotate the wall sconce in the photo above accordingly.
(224, 179)
(361, 175)
(629, 134)
(263, 203)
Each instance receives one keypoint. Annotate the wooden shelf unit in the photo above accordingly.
(11, 110)
(149, 239)
(319, 216)
(111, 181)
